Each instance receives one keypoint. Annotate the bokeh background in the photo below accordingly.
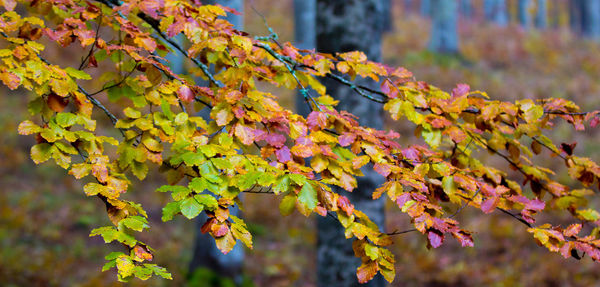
(45, 218)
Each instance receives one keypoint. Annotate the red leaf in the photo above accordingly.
(382, 169)
(283, 154)
(185, 94)
(595, 121)
(206, 227)
(346, 139)
(402, 199)
(345, 205)
(460, 90)
(316, 120)
(411, 154)
(489, 204)
(572, 230)
(566, 249)
(435, 238)
(535, 204)
(464, 238)
(276, 140)
(219, 230)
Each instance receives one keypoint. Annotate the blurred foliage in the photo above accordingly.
(45, 219)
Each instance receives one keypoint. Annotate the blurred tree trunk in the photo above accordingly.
(342, 26)
(466, 9)
(426, 8)
(388, 17)
(444, 34)
(541, 14)
(576, 15)
(495, 11)
(408, 6)
(206, 255)
(305, 34)
(523, 11)
(554, 8)
(591, 19)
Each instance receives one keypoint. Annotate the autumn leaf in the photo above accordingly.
(366, 271)
(308, 196)
(185, 94)
(9, 79)
(435, 238)
(316, 120)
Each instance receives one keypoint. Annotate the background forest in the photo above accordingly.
(516, 49)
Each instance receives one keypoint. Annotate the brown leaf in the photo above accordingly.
(56, 102)
(536, 147)
(568, 148)
(366, 271)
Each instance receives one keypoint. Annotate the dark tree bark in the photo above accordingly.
(495, 11)
(342, 26)
(591, 19)
(206, 254)
(444, 33)
(541, 14)
(388, 17)
(305, 14)
(576, 15)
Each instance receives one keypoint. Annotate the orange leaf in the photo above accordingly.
(366, 271)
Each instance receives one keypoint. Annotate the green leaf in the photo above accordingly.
(190, 208)
(28, 128)
(125, 266)
(287, 205)
(140, 170)
(66, 119)
(221, 163)
(308, 196)
(283, 185)
(109, 264)
(131, 113)
(65, 148)
(432, 137)
(192, 158)
(240, 231)
(198, 184)
(94, 188)
(159, 271)
(208, 171)
(136, 223)
(142, 272)
(371, 251)
(247, 180)
(207, 201)
(170, 210)
(78, 74)
(173, 188)
(588, 214)
(41, 152)
(448, 185)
